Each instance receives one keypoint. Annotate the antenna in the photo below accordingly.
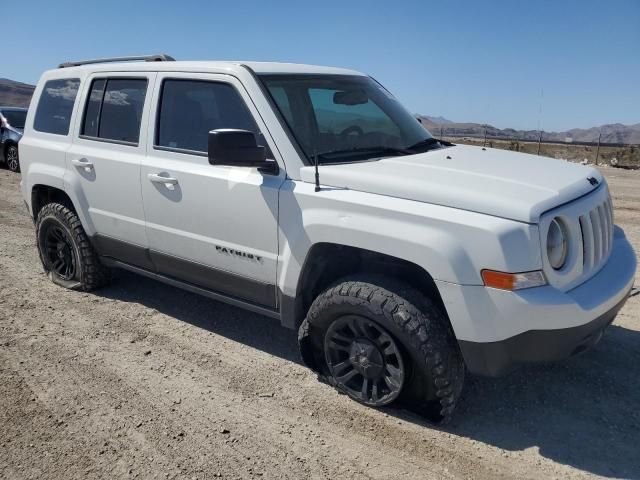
(315, 157)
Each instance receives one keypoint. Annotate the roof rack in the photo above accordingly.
(147, 58)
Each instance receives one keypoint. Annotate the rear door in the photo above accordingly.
(104, 161)
(212, 226)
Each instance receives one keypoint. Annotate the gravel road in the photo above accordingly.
(143, 380)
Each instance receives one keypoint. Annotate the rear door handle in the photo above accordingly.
(168, 182)
(83, 163)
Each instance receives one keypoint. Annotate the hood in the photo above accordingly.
(496, 182)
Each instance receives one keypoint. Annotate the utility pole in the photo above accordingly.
(485, 135)
(540, 119)
(539, 140)
(598, 149)
(440, 132)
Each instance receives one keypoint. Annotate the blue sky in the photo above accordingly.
(481, 61)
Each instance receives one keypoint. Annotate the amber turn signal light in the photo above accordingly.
(513, 281)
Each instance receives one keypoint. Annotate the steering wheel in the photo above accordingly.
(352, 129)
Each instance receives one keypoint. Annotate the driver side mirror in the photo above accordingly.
(238, 148)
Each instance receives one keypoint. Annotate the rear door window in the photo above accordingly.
(114, 109)
(53, 114)
(94, 106)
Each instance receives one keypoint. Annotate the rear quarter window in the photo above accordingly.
(53, 114)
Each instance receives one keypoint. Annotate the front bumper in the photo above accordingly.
(495, 359)
(497, 330)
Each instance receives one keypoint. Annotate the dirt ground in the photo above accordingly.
(141, 380)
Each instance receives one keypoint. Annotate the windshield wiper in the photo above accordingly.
(379, 150)
(426, 143)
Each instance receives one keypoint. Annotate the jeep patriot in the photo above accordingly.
(311, 195)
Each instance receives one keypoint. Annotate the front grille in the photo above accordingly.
(589, 224)
(597, 235)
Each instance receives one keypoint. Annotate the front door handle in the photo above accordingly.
(83, 163)
(168, 182)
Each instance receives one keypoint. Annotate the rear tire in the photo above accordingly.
(65, 251)
(11, 157)
(428, 367)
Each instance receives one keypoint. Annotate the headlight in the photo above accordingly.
(557, 244)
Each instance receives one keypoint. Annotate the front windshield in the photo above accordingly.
(344, 118)
(15, 118)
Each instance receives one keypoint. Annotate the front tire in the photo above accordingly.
(369, 332)
(11, 157)
(65, 251)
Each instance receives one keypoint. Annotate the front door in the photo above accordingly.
(211, 226)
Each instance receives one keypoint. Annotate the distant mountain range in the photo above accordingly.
(611, 133)
(15, 94)
(436, 120)
(18, 94)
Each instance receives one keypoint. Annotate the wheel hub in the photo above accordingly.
(366, 358)
(58, 252)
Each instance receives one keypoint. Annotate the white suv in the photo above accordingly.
(310, 195)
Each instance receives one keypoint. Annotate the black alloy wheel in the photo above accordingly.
(364, 360)
(12, 158)
(67, 255)
(381, 342)
(59, 252)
